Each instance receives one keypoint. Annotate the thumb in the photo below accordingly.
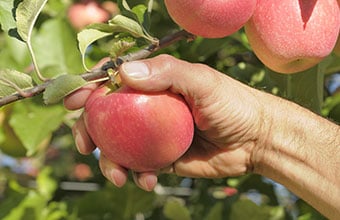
(165, 72)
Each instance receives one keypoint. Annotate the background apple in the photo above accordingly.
(293, 35)
(336, 49)
(142, 132)
(211, 18)
(87, 12)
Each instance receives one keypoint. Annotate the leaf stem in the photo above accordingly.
(35, 63)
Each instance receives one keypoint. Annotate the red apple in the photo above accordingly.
(139, 131)
(293, 35)
(211, 18)
(85, 13)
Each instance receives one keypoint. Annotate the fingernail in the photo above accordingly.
(77, 141)
(116, 177)
(150, 182)
(136, 70)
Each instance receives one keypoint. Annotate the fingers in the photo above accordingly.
(77, 99)
(166, 72)
(113, 172)
(83, 141)
(146, 180)
(119, 175)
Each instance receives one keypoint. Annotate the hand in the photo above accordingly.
(227, 115)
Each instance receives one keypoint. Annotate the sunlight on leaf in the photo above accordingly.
(128, 25)
(61, 87)
(12, 80)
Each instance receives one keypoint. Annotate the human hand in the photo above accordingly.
(227, 116)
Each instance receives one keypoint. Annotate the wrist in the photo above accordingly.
(300, 150)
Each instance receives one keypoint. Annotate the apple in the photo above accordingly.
(211, 18)
(290, 36)
(139, 131)
(336, 49)
(86, 12)
(82, 171)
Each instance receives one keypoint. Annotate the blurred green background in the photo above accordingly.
(42, 176)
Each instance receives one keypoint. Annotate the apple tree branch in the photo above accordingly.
(101, 72)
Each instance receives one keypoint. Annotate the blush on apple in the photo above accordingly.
(139, 131)
(290, 36)
(211, 18)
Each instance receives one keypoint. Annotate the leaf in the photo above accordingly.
(115, 203)
(46, 185)
(305, 88)
(174, 210)
(12, 80)
(26, 16)
(87, 36)
(61, 87)
(141, 12)
(128, 25)
(246, 209)
(6, 15)
(57, 47)
(216, 212)
(33, 123)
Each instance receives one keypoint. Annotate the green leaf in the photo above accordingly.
(87, 36)
(61, 87)
(305, 88)
(246, 209)
(26, 16)
(11, 81)
(215, 213)
(29, 208)
(175, 210)
(57, 47)
(128, 25)
(144, 15)
(115, 203)
(139, 13)
(6, 15)
(46, 185)
(34, 123)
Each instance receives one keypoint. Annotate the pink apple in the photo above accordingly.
(85, 13)
(290, 36)
(139, 131)
(211, 18)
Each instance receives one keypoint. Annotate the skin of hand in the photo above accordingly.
(238, 130)
(227, 129)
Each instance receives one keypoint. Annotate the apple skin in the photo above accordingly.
(211, 18)
(139, 131)
(290, 36)
(336, 49)
(87, 12)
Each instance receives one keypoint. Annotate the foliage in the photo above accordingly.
(37, 42)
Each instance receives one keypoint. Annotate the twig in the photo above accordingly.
(102, 71)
